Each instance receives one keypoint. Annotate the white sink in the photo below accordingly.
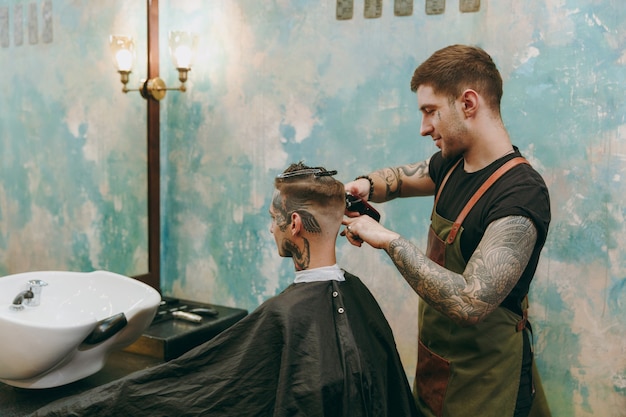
(80, 320)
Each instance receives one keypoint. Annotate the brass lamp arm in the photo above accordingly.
(154, 88)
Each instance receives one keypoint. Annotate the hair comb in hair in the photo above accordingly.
(318, 172)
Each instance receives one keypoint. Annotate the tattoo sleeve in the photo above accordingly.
(490, 275)
(395, 178)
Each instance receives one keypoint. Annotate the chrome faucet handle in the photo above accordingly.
(36, 283)
(35, 288)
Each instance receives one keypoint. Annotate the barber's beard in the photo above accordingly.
(455, 136)
(450, 154)
(450, 151)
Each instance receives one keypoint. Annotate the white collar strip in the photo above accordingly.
(324, 273)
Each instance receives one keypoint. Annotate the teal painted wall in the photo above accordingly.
(278, 81)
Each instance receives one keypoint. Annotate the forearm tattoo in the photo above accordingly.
(393, 178)
(490, 275)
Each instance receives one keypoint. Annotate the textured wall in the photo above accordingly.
(72, 146)
(279, 81)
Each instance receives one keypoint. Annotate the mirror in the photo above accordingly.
(74, 188)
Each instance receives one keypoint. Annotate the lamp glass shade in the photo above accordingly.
(183, 48)
(123, 52)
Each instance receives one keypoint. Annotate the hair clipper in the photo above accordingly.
(355, 203)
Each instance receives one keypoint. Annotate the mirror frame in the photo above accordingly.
(153, 276)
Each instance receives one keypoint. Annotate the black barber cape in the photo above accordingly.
(316, 349)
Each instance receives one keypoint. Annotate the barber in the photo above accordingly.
(488, 226)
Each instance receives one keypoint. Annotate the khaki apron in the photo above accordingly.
(460, 369)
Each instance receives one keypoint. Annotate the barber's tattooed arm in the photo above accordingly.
(401, 181)
(490, 275)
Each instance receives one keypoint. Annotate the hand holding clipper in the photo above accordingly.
(355, 203)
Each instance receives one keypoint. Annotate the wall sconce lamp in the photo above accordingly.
(182, 47)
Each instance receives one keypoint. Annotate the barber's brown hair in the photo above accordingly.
(451, 70)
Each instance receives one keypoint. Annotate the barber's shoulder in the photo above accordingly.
(525, 177)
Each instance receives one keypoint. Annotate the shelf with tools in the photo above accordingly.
(181, 325)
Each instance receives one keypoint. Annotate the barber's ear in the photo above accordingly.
(469, 101)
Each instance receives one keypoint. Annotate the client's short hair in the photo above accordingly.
(315, 187)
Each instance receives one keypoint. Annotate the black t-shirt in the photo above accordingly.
(519, 192)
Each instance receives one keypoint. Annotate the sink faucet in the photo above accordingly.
(30, 297)
(20, 298)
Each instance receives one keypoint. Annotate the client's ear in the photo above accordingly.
(296, 224)
(304, 221)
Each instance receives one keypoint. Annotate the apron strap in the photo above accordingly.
(478, 194)
(524, 323)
